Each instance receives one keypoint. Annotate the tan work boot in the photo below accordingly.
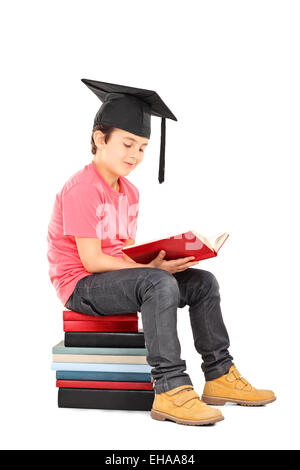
(233, 388)
(183, 405)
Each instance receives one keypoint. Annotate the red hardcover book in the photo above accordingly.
(102, 384)
(190, 243)
(109, 326)
(71, 315)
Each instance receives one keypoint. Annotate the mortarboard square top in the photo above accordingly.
(130, 109)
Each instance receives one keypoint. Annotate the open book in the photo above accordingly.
(190, 243)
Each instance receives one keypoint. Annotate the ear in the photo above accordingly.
(99, 139)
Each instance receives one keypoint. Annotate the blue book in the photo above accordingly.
(101, 367)
(105, 376)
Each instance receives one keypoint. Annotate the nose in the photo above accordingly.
(134, 157)
(135, 154)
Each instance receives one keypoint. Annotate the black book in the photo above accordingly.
(109, 399)
(105, 340)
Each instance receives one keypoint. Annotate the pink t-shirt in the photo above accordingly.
(87, 206)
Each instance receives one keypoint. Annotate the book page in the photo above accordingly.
(220, 240)
(203, 239)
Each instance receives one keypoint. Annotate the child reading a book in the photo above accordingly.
(94, 217)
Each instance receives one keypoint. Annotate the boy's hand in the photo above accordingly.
(172, 266)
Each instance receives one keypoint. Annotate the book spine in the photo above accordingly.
(74, 316)
(107, 376)
(130, 326)
(105, 339)
(141, 400)
(104, 384)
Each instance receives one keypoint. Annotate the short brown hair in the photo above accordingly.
(107, 130)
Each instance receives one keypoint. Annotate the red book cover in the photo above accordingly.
(185, 244)
(106, 385)
(71, 315)
(109, 326)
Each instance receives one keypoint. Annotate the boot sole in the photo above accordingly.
(221, 401)
(164, 416)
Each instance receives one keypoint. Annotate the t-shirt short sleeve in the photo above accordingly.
(81, 206)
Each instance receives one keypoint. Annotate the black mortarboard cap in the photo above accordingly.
(130, 109)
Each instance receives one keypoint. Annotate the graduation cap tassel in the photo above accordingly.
(161, 173)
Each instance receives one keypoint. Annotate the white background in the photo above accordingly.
(229, 71)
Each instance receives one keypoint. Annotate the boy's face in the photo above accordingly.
(123, 152)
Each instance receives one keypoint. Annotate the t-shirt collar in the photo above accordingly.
(111, 191)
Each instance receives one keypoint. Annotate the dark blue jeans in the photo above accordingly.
(157, 294)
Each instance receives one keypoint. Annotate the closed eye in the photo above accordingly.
(128, 146)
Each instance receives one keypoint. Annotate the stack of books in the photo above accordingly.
(101, 363)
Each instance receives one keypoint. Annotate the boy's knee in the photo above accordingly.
(161, 278)
(211, 281)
